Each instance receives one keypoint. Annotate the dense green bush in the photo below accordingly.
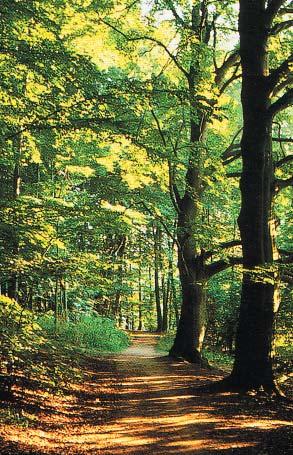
(20, 334)
(20, 340)
(88, 331)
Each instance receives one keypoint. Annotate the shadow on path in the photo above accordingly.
(139, 402)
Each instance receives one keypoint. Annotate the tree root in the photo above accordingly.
(230, 384)
(191, 357)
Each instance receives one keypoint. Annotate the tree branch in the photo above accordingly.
(233, 158)
(234, 175)
(280, 184)
(283, 84)
(159, 128)
(282, 139)
(285, 10)
(77, 123)
(278, 73)
(221, 265)
(231, 151)
(277, 28)
(273, 9)
(285, 160)
(174, 193)
(231, 79)
(222, 246)
(228, 63)
(282, 103)
(148, 38)
(178, 18)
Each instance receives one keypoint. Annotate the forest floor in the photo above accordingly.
(139, 402)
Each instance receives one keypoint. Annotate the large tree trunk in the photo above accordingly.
(192, 269)
(192, 323)
(191, 328)
(253, 358)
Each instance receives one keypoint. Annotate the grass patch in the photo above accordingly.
(218, 359)
(89, 333)
(165, 342)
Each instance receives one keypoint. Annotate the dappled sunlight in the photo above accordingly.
(264, 424)
(137, 405)
(181, 420)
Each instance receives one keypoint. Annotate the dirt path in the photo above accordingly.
(139, 403)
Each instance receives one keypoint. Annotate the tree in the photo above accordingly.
(253, 366)
(196, 29)
(192, 63)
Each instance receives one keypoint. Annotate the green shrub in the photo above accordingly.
(20, 334)
(218, 359)
(165, 342)
(89, 331)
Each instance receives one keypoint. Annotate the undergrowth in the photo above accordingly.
(88, 332)
(40, 355)
(215, 358)
(220, 359)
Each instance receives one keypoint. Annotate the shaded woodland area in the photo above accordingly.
(146, 185)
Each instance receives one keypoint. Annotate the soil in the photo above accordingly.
(139, 402)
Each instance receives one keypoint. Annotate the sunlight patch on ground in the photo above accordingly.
(140, 406)
(179, 420)
(206, 443)
(264, 424)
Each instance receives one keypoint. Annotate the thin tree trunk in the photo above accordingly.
(56, 304)
(157, 238)
(140, 297)
(13, 282)
(174, 301)
(120, 256)
(165, 299)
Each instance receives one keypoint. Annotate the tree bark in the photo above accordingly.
(192, 323)
(191, 328)
(259, 302)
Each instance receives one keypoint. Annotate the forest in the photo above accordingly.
(145, 229)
